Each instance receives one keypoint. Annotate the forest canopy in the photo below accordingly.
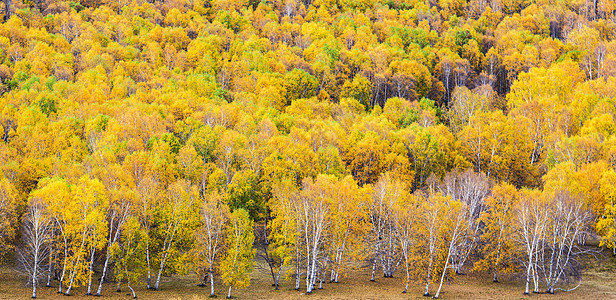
(141, 139)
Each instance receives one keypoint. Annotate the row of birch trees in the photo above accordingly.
(329, 226)
(85, 233)
(131, 237)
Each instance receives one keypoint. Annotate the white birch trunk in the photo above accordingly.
(132, 291)
(100, 285)
(160, 271)
(147, 258)
(49, 269)
(277, 280)
(438, 292)
(63, 266)
(298, 273)
(90, 271)
(211, 283)
(528, 274)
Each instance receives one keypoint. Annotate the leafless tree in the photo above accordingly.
(314, 221)
(36, 230)
(531, 219)
(384, 229)
(471, 188)
(568, 221)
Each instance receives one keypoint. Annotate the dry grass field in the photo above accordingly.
(599, 283)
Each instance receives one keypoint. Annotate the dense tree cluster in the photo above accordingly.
(142, 139)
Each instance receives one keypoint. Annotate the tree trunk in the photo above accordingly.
(336, 268)
(133, 291)
(438, 292)
(308, 271)
(49, 270)
(298, 274)
(70, 286)
(7, 10)
(308, 277)
(229, 294)
(211, 283)
(408, 277)
(100, 285)
(147, 258)
(376, 257)
(535, 279)
(63, 273)
(71, 278)
(429, 274)
(265, 238)
(160, 271)
(277, 280)
(312, 270)
(34, 269)
(498, 253)
(90, 272)
(528, 270)
(337, 273)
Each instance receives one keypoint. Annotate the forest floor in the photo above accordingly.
(599, 282)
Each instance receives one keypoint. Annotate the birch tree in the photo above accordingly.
(128, 253)
(464, 105)
(88, 229)
(498, 248)
(404, 216)
(456, 227)
(147, 197)
(55, 193)
(36, 235)
(314, 206)
(210, 235)
(238, 260)
(285, 239)
(121, 208)
(380, 208)
(568, 221)
(530, 225)
(471, 189)
(176, 217)
(431, 224)
(348, 216)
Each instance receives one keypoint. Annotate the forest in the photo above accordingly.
(417, 139)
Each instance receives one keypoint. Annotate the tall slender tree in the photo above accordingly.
(210, 236)
(36, 235)
(238, 260)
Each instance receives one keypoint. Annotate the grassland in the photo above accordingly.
(599, 283)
